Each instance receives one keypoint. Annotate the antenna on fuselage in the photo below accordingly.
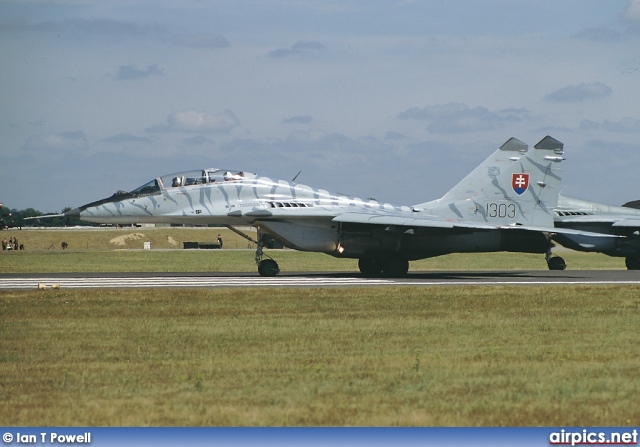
(294, 179)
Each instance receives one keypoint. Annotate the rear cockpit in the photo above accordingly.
(191, 178)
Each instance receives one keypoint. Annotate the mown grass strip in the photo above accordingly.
(289, 261)
(358, 356)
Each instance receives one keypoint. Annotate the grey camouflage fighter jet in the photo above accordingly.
(506, 204)
(619, 227)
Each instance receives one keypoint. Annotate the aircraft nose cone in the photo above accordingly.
(74, 213)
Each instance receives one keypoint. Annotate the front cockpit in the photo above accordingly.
(171, 181)
(191, 178)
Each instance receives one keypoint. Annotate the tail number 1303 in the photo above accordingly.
(501, 210)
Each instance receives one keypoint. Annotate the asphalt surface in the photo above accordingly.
(316, 279)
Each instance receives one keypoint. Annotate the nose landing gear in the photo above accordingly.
(266, 267)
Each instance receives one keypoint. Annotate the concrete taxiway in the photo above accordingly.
(316, 279)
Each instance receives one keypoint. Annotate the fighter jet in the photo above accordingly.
(619, 225)
(506, 204)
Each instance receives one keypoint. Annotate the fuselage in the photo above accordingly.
(298, 216)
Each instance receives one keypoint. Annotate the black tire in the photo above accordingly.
(632, 262)
(268, 267)
(388, 266)
(556, 263)
(370, 267)
(395, 267)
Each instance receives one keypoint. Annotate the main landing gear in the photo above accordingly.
(391, 266)
(266, 267)
(555, 262)
(632, 262)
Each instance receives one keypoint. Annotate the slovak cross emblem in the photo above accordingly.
(520, 183)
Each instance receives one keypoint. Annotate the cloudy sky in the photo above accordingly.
(393, 100)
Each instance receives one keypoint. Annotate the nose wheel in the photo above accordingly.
(266, 267)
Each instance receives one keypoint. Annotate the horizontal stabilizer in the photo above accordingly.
(562, 231)
(435, 222)
(628, 223)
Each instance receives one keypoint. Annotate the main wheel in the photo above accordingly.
(632, 262)
(391, 266)
(370, 267)
(395, 266)
(268, 267)
(556, 263)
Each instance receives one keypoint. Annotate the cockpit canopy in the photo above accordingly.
(190, 178)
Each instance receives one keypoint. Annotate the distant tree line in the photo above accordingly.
(13, 218)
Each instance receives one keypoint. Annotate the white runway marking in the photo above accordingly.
(160, 281)
(295, 281)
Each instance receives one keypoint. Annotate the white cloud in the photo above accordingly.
(581, 92)
(299, 47)
(298, 119)
(124, 138)
(589, 125)
(456, 117)
(198, 122)
(80, 26)
(600, 34)
(632, 13)
(198, 140)
(57, 142)
(201, 40)
(129, 72)
(624, 125)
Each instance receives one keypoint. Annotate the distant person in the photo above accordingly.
(220, 240)
(4, 243)
(64, 245)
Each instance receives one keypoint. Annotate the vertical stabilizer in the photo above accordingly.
(527, 192)
(500, 160)
(512, 187)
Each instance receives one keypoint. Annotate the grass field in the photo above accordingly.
(453, 356)
(469, 356)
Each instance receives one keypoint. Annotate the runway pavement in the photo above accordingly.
(316, 279)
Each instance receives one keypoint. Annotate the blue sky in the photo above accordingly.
(395, 100)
